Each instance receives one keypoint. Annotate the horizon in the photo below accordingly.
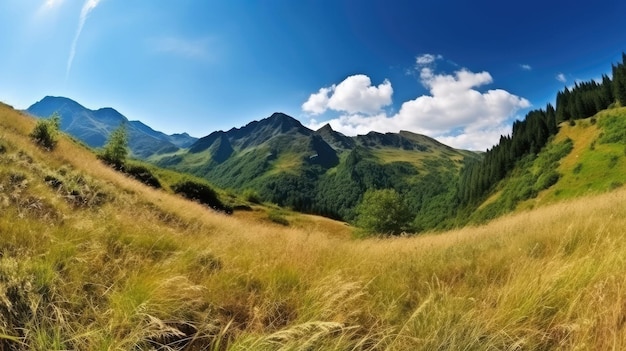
(460, 76)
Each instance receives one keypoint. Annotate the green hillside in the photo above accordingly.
(324, 172)
(100, 261)
(585, 157)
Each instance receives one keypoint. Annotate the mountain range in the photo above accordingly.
(322, 171)
(94, 126)
(317, 171)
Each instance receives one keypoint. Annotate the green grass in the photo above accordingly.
(595, 165)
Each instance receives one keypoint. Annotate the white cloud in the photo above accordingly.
(318, 102)
(454, 111)
(354, 94)
(561, 78)
(190, 48)
(87, 8)
(526, 67)
(426, 59)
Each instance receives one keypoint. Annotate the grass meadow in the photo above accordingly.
(102, 262)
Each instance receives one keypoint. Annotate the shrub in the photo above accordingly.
(116, 149)
(383, 211)
(547, 180)
(252, 196)
(142, 174)
(578, 168)
(46, 131)
(201, 193)
(613, 130)
(77, 189)
(277, 217)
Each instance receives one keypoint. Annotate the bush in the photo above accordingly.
(202, 193)
(252, 196)
(116, 149)
(277, 217)
(547, 180)
(46, 131)
(384, 212)
(578, 168)
(142, 174)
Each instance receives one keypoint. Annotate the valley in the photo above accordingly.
(142, 268)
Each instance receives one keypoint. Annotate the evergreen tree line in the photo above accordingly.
(531, 134)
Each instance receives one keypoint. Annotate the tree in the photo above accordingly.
(116, 149)
(384, 212)
(46, 131)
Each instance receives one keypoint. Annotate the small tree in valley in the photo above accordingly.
(383, 212)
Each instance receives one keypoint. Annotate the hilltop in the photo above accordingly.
(114, 264)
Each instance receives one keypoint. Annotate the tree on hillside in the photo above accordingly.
(116, 149)
(619, 81)
(46, 131)
(383, 212)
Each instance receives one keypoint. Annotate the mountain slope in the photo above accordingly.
(323, 171)
(94, 127)
(138, 268)
(585, 157)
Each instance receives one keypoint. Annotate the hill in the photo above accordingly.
(325, 172)
(585, 157)
(114, 264)
(94, 127)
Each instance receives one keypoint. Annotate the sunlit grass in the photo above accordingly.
(149, 270)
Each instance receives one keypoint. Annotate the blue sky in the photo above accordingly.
(460, 71)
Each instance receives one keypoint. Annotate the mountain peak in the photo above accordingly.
(326, 128)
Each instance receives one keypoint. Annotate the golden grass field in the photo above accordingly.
(143, 269)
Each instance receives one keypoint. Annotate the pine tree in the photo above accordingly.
(116, 149)
(619, 81)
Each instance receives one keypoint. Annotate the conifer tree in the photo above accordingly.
(116, 149)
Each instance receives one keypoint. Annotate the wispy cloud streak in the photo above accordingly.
(87, 8)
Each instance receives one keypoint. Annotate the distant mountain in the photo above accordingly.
(93, 127)
(323, 171)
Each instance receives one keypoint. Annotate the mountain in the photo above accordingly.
(94, 126)
(324, 171)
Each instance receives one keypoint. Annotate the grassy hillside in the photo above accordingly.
(586, 157)
(116, 265)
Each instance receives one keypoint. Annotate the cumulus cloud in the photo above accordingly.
(454, 111)
(354, 95)
(526, 67)
(561, 78)
(318, 102)
(87, 8)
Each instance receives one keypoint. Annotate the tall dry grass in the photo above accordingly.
(149, 270)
